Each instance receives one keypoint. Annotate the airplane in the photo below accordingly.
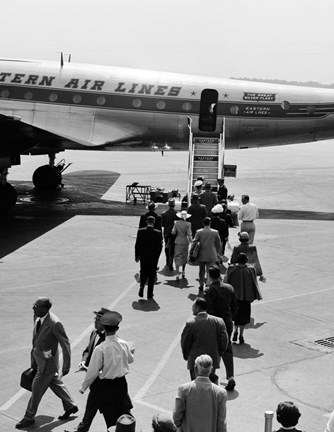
(48, 107)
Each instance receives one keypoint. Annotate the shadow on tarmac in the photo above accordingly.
(245, 351)
(146, 305)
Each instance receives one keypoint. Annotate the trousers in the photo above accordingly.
(41, 383)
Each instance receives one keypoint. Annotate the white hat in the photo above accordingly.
(198, 183)
(218, 208)
(183, 214)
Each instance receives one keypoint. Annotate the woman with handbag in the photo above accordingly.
(182, 232)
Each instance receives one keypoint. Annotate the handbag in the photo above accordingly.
(27, 377)
(195, 250)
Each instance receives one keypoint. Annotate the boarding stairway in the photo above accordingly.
(206, 157)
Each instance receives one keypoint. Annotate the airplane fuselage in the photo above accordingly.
(93, 107)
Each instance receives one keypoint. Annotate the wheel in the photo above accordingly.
(47, 177)
(8, 197)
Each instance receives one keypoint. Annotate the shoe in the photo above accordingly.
(230, 385)
(183, 275)
(68, 413)
(24, 423)
(177, 278)
(235, 337)
(241, 340)
(141, 292)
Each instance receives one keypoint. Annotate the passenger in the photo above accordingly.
(198, 186)
(163, 423)
(223, 303)
(251, 252)
(201, 405)
(209, 251)
(198, 213)
(288, 415)
(208, 198)
(247, 214)
(242, 277)
(148, 248)
(168, 218)
(222, 190)
(182, 232)
(150, 207)
(219, 224)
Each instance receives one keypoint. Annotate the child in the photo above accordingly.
(288, 415)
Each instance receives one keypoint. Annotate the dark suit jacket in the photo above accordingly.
(148, 244)
(143, 218)
(87, 353)
(204, 334)
(44, 355)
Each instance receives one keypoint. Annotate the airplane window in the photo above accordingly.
(186, 106)
(28, 95)
(101, 100)
(137, 103)
(77, 99)
(311, 109)
(285, 105)
(234, 109)
(4, 93)
(161, 105)
(53, 97)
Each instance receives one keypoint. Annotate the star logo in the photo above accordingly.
(225, 95)
(193, 93)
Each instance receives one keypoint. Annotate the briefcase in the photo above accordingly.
(27, 378)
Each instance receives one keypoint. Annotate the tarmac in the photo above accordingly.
(78, 249)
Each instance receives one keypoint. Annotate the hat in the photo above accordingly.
(151, 205)
(163, 423)
(195, 197)
(198, 183)
(125, 423)
(111, 318)
(183, 214)
(102, 311)
(244, 236)
(171, 202)
(207, 185)
(218, 208)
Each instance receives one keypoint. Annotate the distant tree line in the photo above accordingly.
(294, 83)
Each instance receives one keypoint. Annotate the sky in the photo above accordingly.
(265, 39)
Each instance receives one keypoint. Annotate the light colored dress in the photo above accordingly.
(182, 230)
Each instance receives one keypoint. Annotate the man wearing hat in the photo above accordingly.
(150, 207)
(198, 213)
(147, 250)
(247, 214)
(107, 369)
(219, 224)
(208, 198)
(167, 222)
(96, 337)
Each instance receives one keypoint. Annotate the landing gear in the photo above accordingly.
(49, 177)
(8, 195)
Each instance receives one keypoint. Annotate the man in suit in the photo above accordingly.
(203, 334)
(143, 218)
(201, 405)
(47, 335)
(198, 213)
(96, 337)
(210, 248)
(147, 250)
(168, 218)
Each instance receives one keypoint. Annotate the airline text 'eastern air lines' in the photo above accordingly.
(88, 84)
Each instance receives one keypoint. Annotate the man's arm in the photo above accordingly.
(62, 338)
(222, 336)
(95, 365)
(221, 421)
(179, 409)
(186, 341)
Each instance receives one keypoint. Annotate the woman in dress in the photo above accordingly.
(242, 277)
(182, 232)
